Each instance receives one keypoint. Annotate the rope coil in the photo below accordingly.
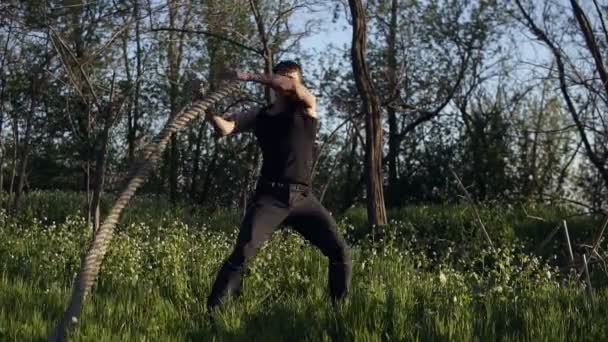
(91, 263)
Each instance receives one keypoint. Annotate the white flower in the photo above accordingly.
(74, 319)
(442, 278)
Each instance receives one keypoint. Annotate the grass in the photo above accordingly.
(157, 274)
(411, 307)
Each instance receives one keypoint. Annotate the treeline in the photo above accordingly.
(507, 98)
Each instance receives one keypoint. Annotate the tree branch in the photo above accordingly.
(330, 138)
(540, 34)
(587, 31)
(428, 115)
(213, 35)
(599, 13)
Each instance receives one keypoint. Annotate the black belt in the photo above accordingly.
(282, 185)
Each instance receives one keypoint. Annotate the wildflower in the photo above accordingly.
(442, 278)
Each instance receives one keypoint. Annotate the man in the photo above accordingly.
(286, 132)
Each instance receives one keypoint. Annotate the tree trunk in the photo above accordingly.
(196, 160)
(1, 162)
(348, 187)
(268, 64)
(268, 56)
(174, 56)
(83, 109)
(2, 95)
(173, 168)
(135, 114)
(208, 175)
(25, 148)
(100, 168)
(129, 111)
(173, 93)
(393, 140)
(594, 49)
(11, 187)
(373, 122)
(1, 139)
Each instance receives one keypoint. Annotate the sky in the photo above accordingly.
(329, 36)
(339, 35)
(526, 50)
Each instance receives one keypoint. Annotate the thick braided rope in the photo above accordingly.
(90, 265)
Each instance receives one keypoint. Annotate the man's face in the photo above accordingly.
(293, 74)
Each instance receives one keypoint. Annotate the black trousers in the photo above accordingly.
(271, 207)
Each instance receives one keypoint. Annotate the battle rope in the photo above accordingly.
(89, 267)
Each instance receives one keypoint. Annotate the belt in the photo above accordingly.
(283, 185)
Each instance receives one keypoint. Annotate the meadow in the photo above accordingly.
(432, 277)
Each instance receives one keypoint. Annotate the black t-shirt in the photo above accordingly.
(287, 140)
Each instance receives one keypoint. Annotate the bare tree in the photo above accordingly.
(25, 143)
(99, 113)
(134, 79)
(175, 52)
(5, 59)
(581, 82)
(376, 210)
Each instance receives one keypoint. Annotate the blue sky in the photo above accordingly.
(338, 33)
(526, 50)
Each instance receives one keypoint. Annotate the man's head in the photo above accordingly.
(289, 68)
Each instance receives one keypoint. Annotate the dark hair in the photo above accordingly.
(287, 66)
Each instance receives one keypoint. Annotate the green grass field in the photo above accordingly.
(409, 287)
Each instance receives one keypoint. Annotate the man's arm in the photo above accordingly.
(234, 123)
(285, 85)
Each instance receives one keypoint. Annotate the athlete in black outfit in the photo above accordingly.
(286, 132)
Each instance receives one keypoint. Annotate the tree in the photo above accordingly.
(422, 55)
(6, 53)
(133, 80)
(175, 51)
(376, 210)
(584, 83)
(98, 100)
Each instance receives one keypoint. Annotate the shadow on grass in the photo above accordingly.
(277, 322)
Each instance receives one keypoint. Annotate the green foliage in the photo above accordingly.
(408, 286)
(527, 223)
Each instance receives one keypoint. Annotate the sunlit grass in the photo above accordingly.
(157, 274)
